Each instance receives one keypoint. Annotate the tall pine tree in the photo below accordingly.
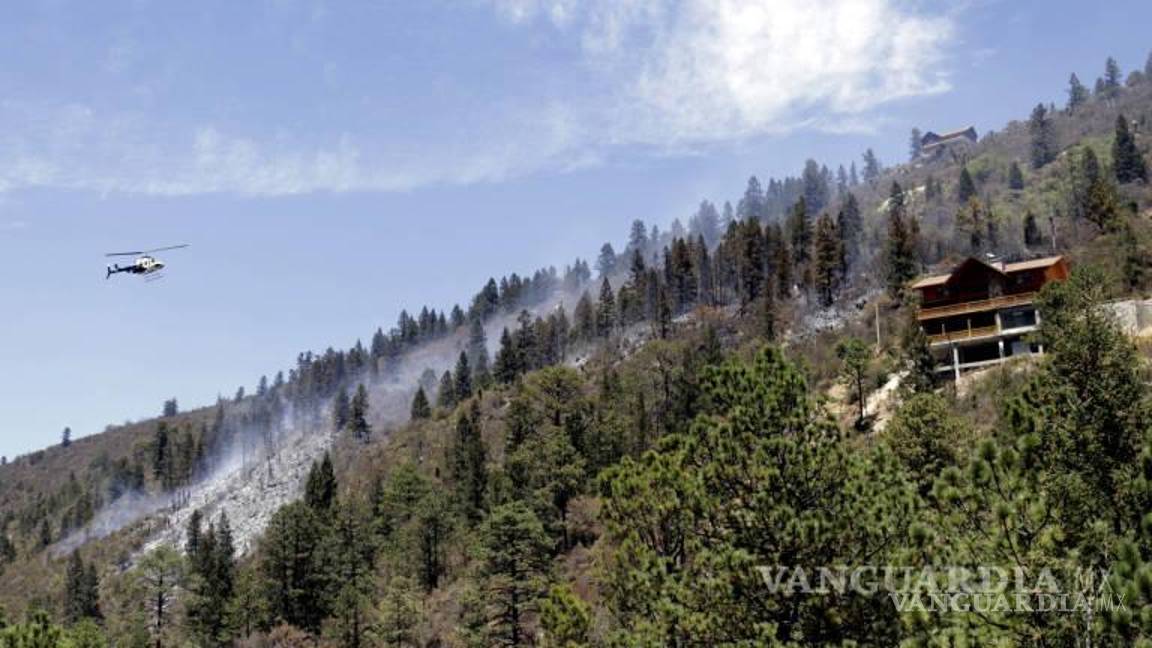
(1127, 162)
(900, 255)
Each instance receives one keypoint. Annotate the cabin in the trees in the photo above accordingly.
(980, 313)
(933, 146)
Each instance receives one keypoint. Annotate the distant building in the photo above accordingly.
(934, 146)
(979, 314)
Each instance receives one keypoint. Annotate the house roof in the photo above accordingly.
(931, 139)
(1032, 264)
(1002, 268)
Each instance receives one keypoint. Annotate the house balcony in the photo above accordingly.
(976, 306)
(971, 333)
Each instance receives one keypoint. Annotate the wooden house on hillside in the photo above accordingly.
(979, 313)
(934, 146)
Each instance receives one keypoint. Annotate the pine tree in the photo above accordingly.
(800, 231)
(872, 167)
(966, 187)
(163, 461)
(320, 489)
(211, 583)
(915, 145)
(420, 407)
(1098, 203)
(507, 367)
(1043, 144)
(66, 437)
(1032, 236)
(81, 590)
(1127, 162)
(296, 580)
(827, 260)
(1111, 77)
(584, 325)
(469, 463)
(565, 619)
(689, 521)
(606, 310)
(663, 320)
(398, 613)
(900, 247)
(434, 523)
(1077, 94)
(751, 262)
(341, 410)
(779, 259)
(463, 375)
(815, 187)
(358, 415)
(704, 273)
(925, 437)
(606, 262)
(638, 237)
(705, 223)
(478, 353)
(446, 392)
(1015, 177)
(514, 552)
(854, 354)
(970, 220)
(161, 575)
(752, 204)
(917, 355)
(850, 226)
(353, 566)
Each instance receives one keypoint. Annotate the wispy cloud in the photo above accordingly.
(706, 71)
(663, 77)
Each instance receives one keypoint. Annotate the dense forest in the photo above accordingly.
(622, 452)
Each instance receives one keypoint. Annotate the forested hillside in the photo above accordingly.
(614, 455)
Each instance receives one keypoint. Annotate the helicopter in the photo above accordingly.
(145, 264)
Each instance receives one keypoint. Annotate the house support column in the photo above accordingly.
(1000, 343)
(956, 361)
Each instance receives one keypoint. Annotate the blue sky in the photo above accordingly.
(332, 162)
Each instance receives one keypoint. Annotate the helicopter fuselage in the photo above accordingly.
(142, 266)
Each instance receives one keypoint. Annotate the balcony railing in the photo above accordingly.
(977, 306)
(965, 334)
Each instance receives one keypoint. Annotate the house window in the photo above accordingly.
(1019, 318)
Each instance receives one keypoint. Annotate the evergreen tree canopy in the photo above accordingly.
(1043, 145)
(902, 263)
(1015, 177)
(1127, 162)
(463, 376)
(420, 406)
(320, 489)
(966, 187)
(358, 415)
(1077, 93)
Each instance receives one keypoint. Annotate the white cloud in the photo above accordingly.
(706, 71)
(76, 147)
(670, 77)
